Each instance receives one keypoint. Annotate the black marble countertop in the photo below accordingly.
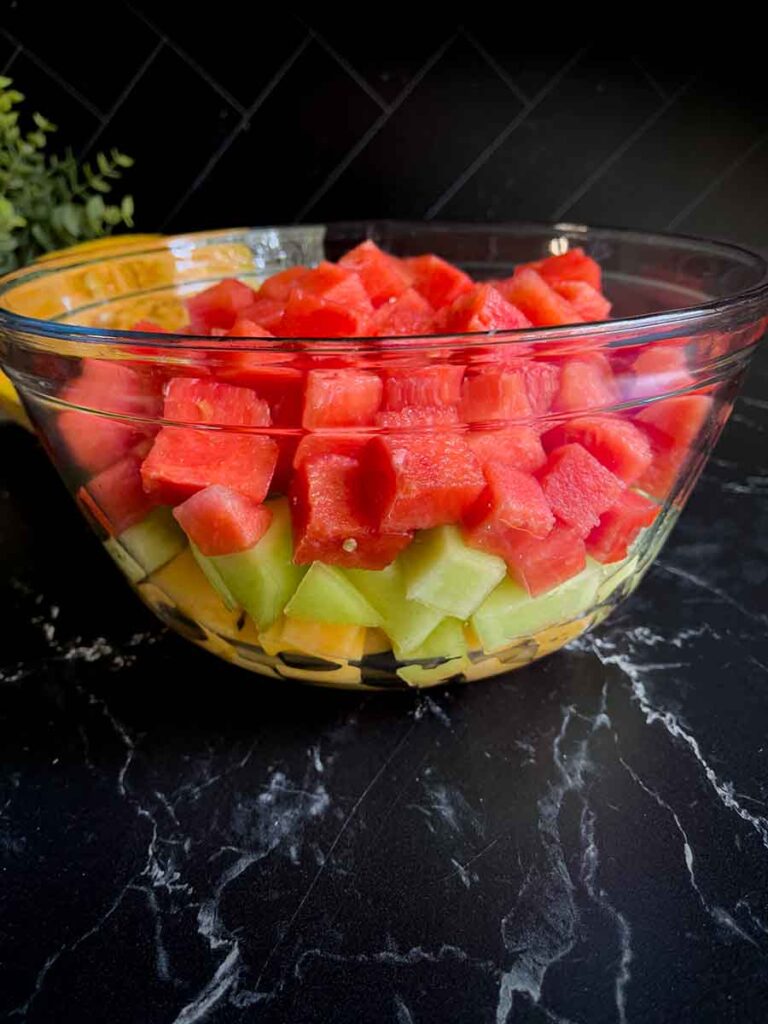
(585, 840)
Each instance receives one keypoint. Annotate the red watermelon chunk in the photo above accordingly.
(427, 386)
(482, 308)
(184, 460)
(280, 386)
(495, 394)
(586, 300)
(587, 384)
(266, 312)
(116, 497)
(521, 446)
(95, 442)
(578, 488)
(415, 416)
(408, 314)
(541, 384)
(657, 370)
(344, 443)
(204, 401)
(327, 521)
(511, 500)
(219, 305)
(280, 285)
(220, 521)
(436, 279)
(616, 443)
(417, 481)
(341, 398)
(573, 265)
(539, 564)
(619, 526)
(537, 299)
(679, 421)
(149, 326)
(329, 302)
(382, 275)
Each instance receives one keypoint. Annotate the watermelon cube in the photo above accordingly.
(203, 401)
(329, 302)
(430, 386)
(327, 522)
(537, 299)
(409, 313)
(436, 279)
(587, 384)
(266, 312)
(341, 398)
(539, 564)
(382, 275)
(345, 443)
(578, 488)
(280, 285)
(184, 460)
(412, 482)
(219, 305)
(573, 265)
(619, 526)
(482, 308)
(512, 499)
(616, 443)
(586, 300)
(657, 370)
(115, 496)
(95, 442)
(220, 521)
(415, 416)
(521, 446)
(542, 381)
(671, 425)
(495, 394)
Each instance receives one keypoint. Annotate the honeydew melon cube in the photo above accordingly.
(510, 612)
(406, 623)
(147, 546)
(325, 594)
(443, 654)
(444, 573)
(264, 578)
(213, 576)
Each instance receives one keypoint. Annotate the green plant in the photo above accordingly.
(48, 201)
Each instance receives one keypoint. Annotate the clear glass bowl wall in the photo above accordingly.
(699, 307)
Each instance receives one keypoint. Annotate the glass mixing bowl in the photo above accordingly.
(687, 316)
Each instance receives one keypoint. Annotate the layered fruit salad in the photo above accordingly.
(438, 506)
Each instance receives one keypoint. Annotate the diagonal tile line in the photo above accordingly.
(650, 79)
(9, 63)
(374, 129)
(272, 84)
(718, 180)
(502, 137)
(61, 82)
(206, 76)
(494, 65)
(143, 68)
(619, 152)
(346, 66)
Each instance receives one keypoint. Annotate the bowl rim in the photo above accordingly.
(618, 332)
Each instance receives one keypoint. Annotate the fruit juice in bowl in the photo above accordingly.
(385, 455)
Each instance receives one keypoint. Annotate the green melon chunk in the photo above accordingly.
(406, 623)
(326, 595)
(264, 578)
(213, 576)
(442, 572)
(510, 612)
(443, 653)
(616, 574)
(146, 547)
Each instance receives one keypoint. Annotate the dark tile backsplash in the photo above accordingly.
(269, 118)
